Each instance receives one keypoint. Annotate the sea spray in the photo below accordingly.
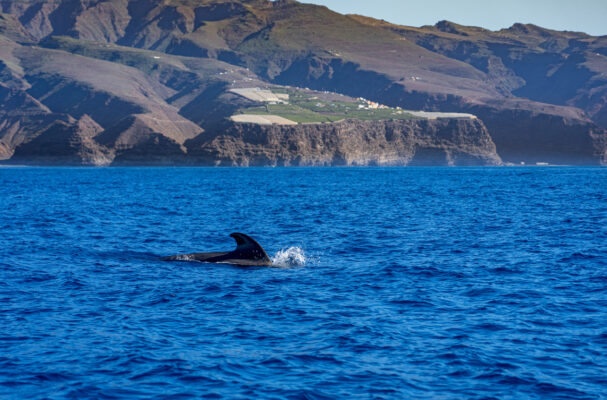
(290, 257)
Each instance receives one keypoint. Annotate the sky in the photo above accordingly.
(588, 16)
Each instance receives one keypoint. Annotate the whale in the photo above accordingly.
(247, 253)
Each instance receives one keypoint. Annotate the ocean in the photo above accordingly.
(388, 283)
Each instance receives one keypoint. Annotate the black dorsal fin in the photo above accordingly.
(246, 246)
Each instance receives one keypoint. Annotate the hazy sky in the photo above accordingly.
(588, 16)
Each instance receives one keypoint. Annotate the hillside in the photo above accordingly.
(140, 81)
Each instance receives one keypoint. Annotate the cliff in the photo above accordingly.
(349, 143)
(461, 142)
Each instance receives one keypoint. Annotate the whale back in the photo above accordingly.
(247, 253)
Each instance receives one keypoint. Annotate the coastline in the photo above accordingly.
(200, 166)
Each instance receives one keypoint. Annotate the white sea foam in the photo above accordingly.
(291, 257)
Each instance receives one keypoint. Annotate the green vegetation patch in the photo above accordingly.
(308, 108)
(292, 112)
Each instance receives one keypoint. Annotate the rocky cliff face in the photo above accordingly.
(461, 142)
(66, 143)
(350, 143)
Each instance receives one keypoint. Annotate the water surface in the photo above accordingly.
(418, 283)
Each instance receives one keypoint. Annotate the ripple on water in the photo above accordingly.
(393, 283)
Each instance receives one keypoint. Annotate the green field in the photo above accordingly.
(293, 112)
(306, 108)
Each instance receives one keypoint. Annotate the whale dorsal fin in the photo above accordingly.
(247, 247)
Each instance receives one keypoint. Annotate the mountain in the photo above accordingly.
(554, 81)
(100, 82)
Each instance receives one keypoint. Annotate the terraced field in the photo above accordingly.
(310, 107)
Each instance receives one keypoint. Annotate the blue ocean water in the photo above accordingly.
(425, 283)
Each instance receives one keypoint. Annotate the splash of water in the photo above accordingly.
(291, 257)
